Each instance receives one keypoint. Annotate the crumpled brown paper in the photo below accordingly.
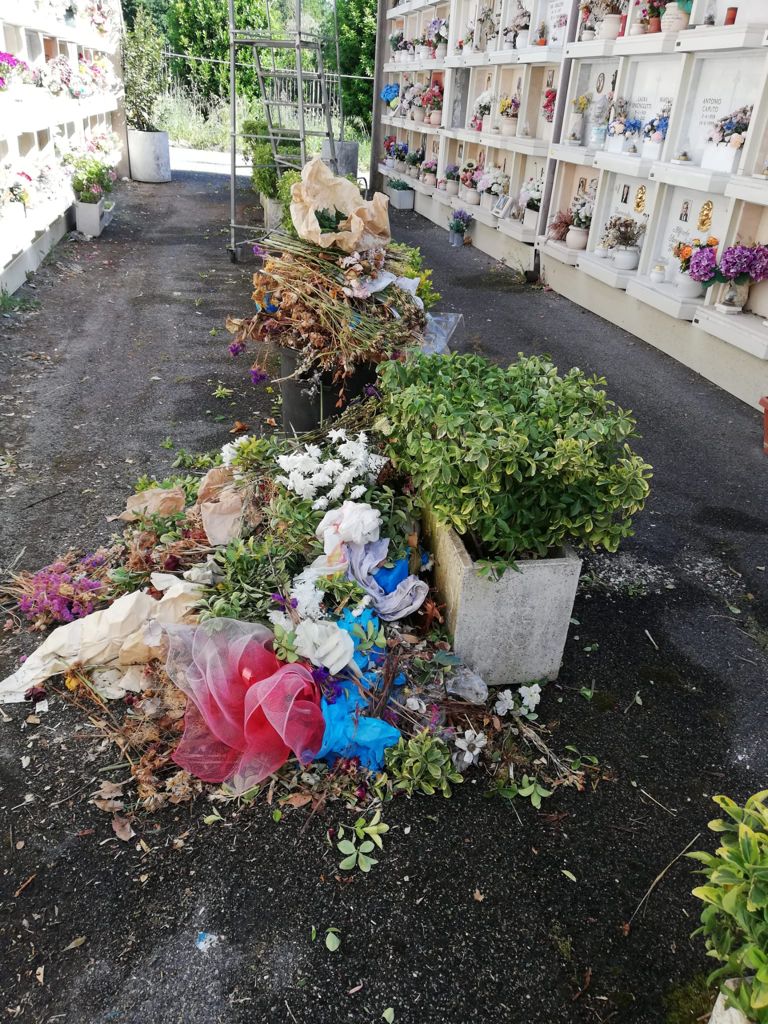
(159, 501)
(110, 638)
(366, 224)
(221, 505)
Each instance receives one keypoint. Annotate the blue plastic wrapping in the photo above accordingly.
(349, 734)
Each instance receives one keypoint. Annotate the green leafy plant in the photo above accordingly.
(373, 829)
(529, 788)
(92, 179)
(410, 263)
(287, 180)
(521, 460)
(734, 922)
(189, 484)
(356, 854)
(285, 644)
(369, 637)
(421, 764)
(143, 72)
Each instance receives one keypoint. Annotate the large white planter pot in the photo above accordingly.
(687, 288)
(609, 27)
(511, 630)
(651, 150)
(150, 156)
(531, 219)
(273, 213)
(471, 197)
(577, 238)
(92, 218)
(452, 188)
(626, 259)
(400, 198)
(720, 158)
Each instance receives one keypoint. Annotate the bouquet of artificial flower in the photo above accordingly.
(656, 129)
(452, 173)
(509, 106)
(684, 252)
(470, 174)
(739, 264)
(460, 221)
(548, 106)
(730, 130)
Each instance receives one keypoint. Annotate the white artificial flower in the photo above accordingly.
(530, 696)
(469, 748)
(357, 492)
(324, 644)
(308, 597)
(229, 451)
(353, 523)
(278, 618)
(337, 435)
(505, 703)
(416, 704)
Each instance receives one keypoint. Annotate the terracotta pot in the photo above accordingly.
(730, 16)
(541, 42)
(654, 24)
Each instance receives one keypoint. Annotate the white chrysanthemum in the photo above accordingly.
(505, 703)
(530, 696)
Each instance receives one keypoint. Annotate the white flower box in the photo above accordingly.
(615, 143)
(651, 150)
(511, 630)
(92, 218)
(400, 198)
(531, 219)
(720, 158)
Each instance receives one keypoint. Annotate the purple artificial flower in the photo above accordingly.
(759, 269)
(258, 376)
(259, 251)
(736, 261)
(371, 391)
(283, 601)
(703, 265)
(236, 348)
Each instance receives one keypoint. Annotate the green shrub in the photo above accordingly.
(520, 460)
(287, 181)
(91, 179)
(143, 72)
(734, 922)
(421, 764)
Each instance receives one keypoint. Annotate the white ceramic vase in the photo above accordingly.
(626, 258)
(576, 238)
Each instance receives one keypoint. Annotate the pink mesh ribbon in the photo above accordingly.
(245, 711)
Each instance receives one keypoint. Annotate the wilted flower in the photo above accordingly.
(469, 748)
(505, 703)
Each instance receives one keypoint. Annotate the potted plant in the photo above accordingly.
(512, 467)
(481, 109)
(725, 140)
(433, 102)
(413, 161)
(739, 267)
(437, 33)
(650, 14)
(470, 175)
(688, 286)
(580, 106)
(548, 112)
(622, 237)
(518, 29)
(457, 227)
(654, 134)
(509, 108)
(582, 209)
(493, 183)
(394, 43)
(530, 202)
(401, 152)
(92, 181)
(541, 34)
(429, 172)
(400, 194)
(389, 151)
(452, 179)
(608, 16)
(148, 148)
(616, 136)
(734, 922)
(418, 112)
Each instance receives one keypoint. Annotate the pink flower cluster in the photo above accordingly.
(63, 591)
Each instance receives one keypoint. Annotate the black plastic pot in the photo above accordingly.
(306, 406)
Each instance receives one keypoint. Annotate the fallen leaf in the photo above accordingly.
(477, 895)
(122, 828)
(74, 944)
(109, 790)
(389, 1015)
(297, 799)
(239, 427)
(569, 874)
(109, 805)
(332, 940)
(40, 975)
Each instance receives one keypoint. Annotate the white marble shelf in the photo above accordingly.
(396, 67)
(516, 229)
(413, 7)
(744, 330)
(649, 43)
(665, 297)
(581, 155)
(17, 12)
(590, 48)
(25, 117)
(558, 251)
(623, 163)
(750, 188)
(689, 176)
(541, 55)
(721, 37)
(408, 125)
(603, 269)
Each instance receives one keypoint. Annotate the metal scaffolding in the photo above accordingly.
(299, 97)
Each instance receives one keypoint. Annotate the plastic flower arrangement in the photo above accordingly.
(346, 468)
(395, 40)
(429, 167)
(530, 194)
(66, 590)
(656, 129)
(548, 106)
(433, 97)
(437, 31)
(415, 157)
(480, 109)
(509, 106)
(739, 264)
(649, 9)
(633, 126)
(460, 221)
(520, 20)
(582, 209)
(99, 14)
(389, 93)
(92, 179)
(401, 151)
(12, 71)
(684, 251)
(494, 181)
(471, 174)
(730, 130)
(622, 233)
(581, 103)
(452, 173)
(55, 76)
(618, 125)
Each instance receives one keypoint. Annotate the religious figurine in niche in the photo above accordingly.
(705, 216)
(685, 209)
(640, 199)
(550, 78)
(582, 187)
(625, 195)
(600, 83)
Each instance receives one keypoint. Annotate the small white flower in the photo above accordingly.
(278, 618)
(416, 704)
(530, 696)
(505, 703)
(469, 748)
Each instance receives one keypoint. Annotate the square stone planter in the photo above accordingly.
(92, 218)
(400, 198)
(511, 630)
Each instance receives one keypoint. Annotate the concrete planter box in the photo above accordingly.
(92, 218)
(150, 156)
(512, 630)
(400, 198)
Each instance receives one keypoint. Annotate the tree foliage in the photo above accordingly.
(156, 9)
(143, 69)
(357, 53)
